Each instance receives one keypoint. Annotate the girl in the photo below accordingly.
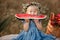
(32, 28)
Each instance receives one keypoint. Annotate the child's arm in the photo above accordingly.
(38, 24)
(26, 25)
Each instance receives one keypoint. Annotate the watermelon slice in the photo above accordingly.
(29, 16)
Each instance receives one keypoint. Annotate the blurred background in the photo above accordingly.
(9, 24)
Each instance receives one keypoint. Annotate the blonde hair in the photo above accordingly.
(41, 9)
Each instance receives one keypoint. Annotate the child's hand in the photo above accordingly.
(38, 24)
(36, 20)
(27, 20)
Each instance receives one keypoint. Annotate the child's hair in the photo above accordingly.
(41, 9)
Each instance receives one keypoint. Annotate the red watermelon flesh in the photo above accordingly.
(29, 16)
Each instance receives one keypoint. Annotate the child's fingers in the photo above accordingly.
(26, 20)
(36, 20)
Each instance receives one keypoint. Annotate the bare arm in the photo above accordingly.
(38, 24)
(26, 25)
